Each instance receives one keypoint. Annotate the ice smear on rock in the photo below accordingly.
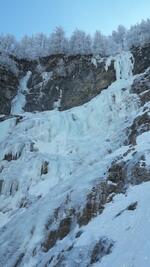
(19, 101)
(61, 138)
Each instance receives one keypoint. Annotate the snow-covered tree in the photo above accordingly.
(58, 42)
(99, 43)
(134, 36)
(40, 45)
(25, 47)
(88, 44)
(145, 31)
(111, 47)
(139, 34)
(119, 37)
(77, 42)
(7, 43)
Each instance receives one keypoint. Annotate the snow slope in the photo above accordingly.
(50, 155)
(127, 228)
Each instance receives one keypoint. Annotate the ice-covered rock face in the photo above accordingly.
(62, 82)
(61, 138)
(66, 82)
(59, 172)
(59, 82)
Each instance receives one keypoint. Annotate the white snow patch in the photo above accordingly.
(94, 61)
(46, 76)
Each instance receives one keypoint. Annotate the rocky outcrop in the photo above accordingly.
(125, 173)
(141, 58)
(140, 125)
(63, 82)
(8, 89)
(101, 249)
(60, 82)
(67, 82)
(121, 174)
(141, 87)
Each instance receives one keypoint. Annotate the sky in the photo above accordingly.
(20, 17)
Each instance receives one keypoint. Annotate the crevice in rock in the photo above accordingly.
(131, 207)
(101, 249)
(44, 167)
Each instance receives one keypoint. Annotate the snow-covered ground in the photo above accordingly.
(77, 146)
(128, 229)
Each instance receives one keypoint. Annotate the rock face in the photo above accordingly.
(62, 82)
(141, 58)
(67, 82)
(8, 89)
(58, 82)
(141, 87)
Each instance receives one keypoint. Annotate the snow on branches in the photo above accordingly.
(40, 45)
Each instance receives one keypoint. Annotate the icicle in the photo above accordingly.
(123, 64)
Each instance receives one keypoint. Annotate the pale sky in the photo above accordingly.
(20, 17)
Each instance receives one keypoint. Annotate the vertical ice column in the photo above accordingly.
(19, 101)
(123, 64)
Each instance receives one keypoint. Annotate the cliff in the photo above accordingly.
(75, 162)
